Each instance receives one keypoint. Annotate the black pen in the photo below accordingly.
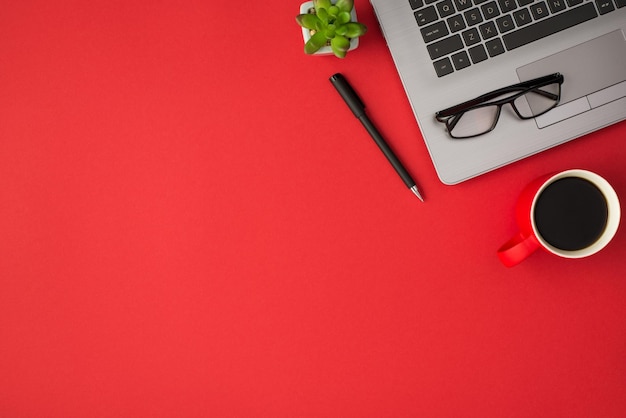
(358, 108)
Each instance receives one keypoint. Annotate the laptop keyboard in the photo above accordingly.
(460, 33)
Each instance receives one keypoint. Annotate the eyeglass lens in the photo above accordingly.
(481, 120)
(474, 121)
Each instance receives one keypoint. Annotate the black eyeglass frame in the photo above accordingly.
(447, 115)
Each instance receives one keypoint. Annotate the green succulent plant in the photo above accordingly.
(330, 23)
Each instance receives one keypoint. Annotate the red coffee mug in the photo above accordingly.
(531, 238)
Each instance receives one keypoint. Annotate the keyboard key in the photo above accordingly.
(620, 3)
(471, 37)
(416, 4)
(435, 31)
(456, 23)
(604, 6)
(477, 53)
(505, 23)
(558, 5)
(522, 17)
(445, 46)
(572, 3)
(462, 4)
(426, 16)
(443, 67)
(488, 30)
(445, 8)
(460, 60)
(494, 47)
(539, 10)
(507, 5)
(473, 17)
(549, 26)
(523, 3)
(490, 10)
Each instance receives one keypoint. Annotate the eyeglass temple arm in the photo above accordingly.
(556, 77)
(544, 93)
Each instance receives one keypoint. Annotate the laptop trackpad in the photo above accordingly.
(594, 74)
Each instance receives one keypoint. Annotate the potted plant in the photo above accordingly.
(329, 28)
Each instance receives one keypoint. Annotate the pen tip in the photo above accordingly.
(417, 193)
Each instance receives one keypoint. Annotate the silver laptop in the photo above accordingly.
(451, 51)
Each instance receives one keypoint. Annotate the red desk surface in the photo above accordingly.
(192, 224)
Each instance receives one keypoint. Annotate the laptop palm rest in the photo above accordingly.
(594, 73)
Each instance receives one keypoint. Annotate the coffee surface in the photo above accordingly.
(571, 213)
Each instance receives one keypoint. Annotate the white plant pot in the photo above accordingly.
(325, 50)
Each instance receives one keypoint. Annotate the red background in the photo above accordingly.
(193, 224)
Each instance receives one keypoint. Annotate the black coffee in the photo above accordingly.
(571, 213)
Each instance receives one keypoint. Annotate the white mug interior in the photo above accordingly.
(612, 221)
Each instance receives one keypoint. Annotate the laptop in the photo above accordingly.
(450, 51)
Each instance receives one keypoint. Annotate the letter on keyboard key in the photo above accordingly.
(549, 26)
(471, 36)
(490, 10)
(522, 17)
(505, 23)
(456, 23)
(507, 5)
(465, 4)
(539, 10)
(445, 46)
(556, 5)
(473, 16)
(445, 8)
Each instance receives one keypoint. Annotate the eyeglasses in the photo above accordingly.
(478, 116)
